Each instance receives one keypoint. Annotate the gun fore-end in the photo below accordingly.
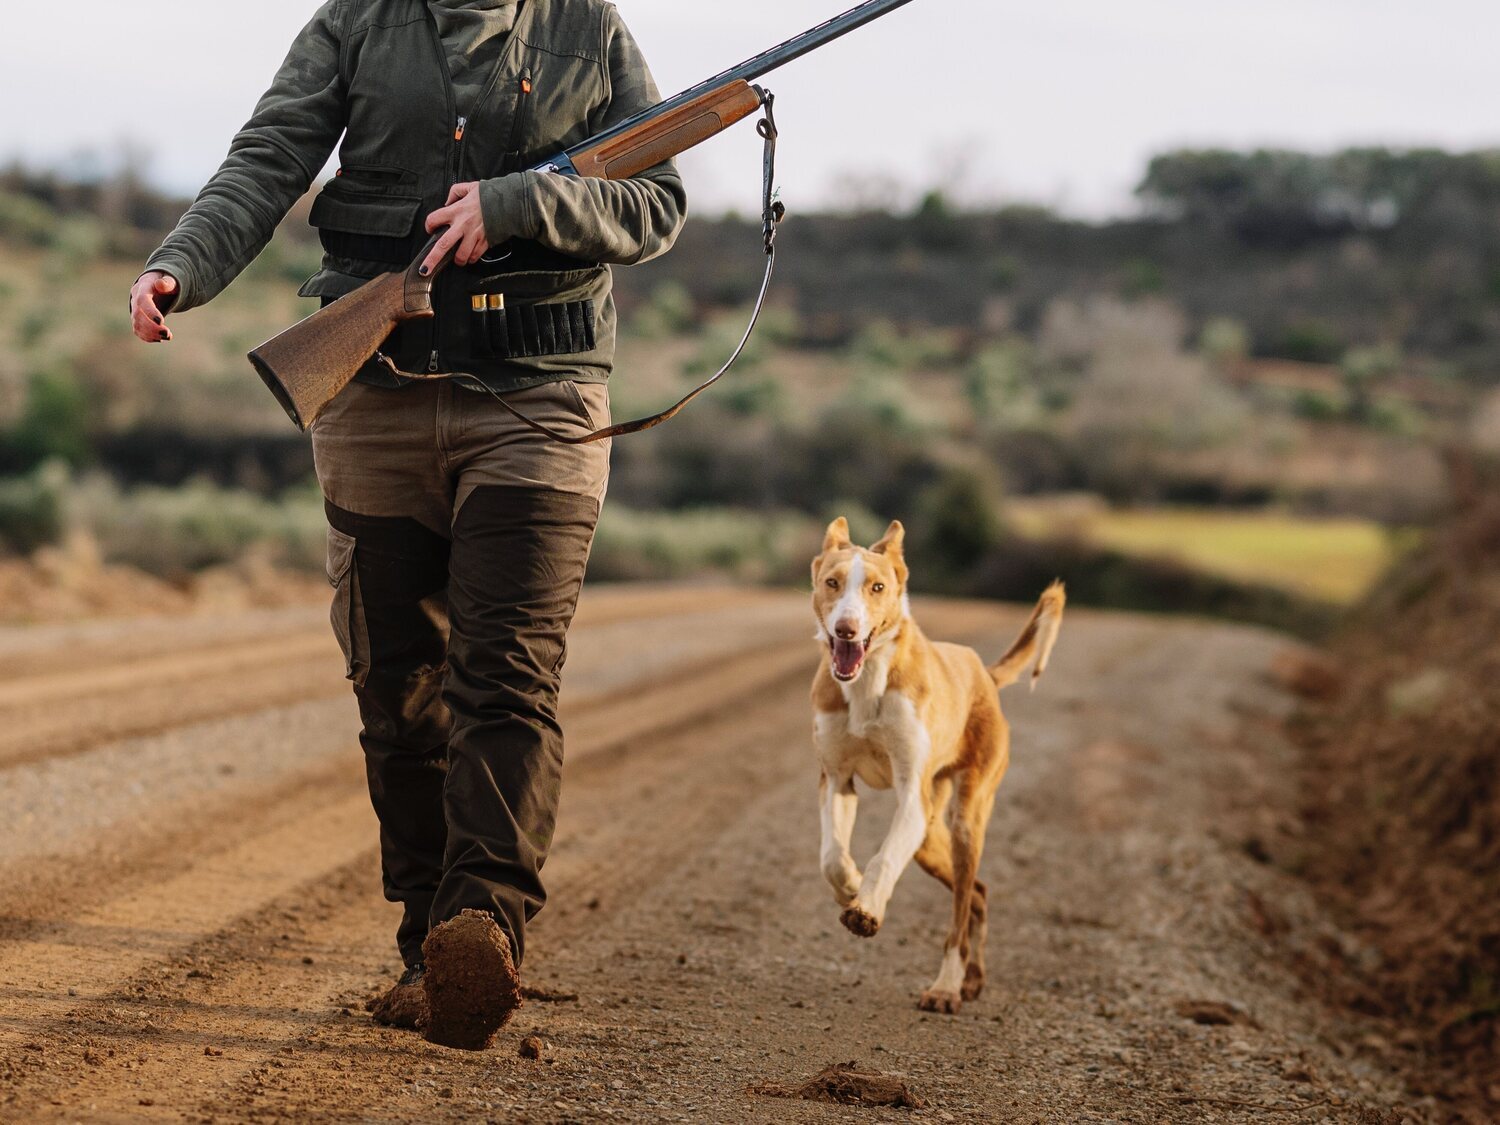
(662, 138)
(316, 358)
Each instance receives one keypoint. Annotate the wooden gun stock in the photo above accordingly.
(662, 138)
(316, 358)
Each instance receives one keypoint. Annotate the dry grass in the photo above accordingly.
(1335, 560)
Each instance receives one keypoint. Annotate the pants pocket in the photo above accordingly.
(347, 614)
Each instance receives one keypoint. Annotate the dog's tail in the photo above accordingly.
(1034, 645)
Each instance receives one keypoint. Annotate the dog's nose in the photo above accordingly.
(845, 631)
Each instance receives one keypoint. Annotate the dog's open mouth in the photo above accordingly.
(848, 657)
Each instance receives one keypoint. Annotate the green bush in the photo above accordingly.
(76, 242)
(1142, 278)
(31, 509)
(26, 220)
(957, 524)
(752, 546)
(1311, 341)
(1224, 340)
(1316, 406)
(54, 422)
(171, 531)
(668, 312)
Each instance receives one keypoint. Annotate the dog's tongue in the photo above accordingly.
(847, 657)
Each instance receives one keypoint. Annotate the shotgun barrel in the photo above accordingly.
(747, 71)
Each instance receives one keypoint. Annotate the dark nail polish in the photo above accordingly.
(422, 272)
(157, 319)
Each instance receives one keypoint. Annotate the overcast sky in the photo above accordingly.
(1051, 101)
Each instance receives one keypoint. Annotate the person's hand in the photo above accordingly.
(465, 230)
(146, 315)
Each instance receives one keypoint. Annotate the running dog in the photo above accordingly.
(921, 717)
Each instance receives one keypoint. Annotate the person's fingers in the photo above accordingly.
(457, 192)
(449, 239)
(166, 285)
(471, 248)
(442, 217)
(144, 320)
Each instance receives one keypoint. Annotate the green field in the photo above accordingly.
(1335, 560)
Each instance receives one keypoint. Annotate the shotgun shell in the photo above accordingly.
(476, 302)
(497, 301)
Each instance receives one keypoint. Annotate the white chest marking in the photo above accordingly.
(880, 738)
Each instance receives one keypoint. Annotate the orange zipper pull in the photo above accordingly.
(458, 131)
(525, 84)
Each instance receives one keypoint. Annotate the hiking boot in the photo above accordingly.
(405, 1005)
(471, 981)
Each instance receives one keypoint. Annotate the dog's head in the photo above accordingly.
(859, 596)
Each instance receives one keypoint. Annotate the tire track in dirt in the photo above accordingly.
(69, 713)
(51, 708)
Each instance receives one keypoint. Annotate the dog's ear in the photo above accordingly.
(837, 536)
(891, 542)
(890, 545)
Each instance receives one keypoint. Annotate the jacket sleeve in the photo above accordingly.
(616, 221)
(271, 164)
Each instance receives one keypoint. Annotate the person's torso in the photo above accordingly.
(410, 135)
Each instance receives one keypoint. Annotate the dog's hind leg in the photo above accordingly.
(954, 980)
(978, 933)
(935, 856)
(837, 802)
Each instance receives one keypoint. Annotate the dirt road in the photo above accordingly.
(190, 918)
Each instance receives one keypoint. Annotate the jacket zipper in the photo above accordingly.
(454, 155)
(460, 127)
(518, 125)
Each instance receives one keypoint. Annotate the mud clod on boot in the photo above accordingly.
(405, 1005)
(471, 981)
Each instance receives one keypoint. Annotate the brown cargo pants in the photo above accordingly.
(456, 547)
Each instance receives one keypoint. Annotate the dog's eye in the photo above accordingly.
(879, 587)
(833, 583)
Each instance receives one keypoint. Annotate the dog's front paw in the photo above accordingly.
(936, 1000)
(859, 923)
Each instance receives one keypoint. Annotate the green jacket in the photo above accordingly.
(374, 72)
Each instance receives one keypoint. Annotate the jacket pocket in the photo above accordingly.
(365, 226)
(347, 614)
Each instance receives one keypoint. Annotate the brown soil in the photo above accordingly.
(191, 917)
(1402, 824)
(846, 1084)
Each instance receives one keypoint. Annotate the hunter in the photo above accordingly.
(457, 536)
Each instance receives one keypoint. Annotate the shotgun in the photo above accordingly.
(311, 362)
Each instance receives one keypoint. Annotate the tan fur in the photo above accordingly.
(921, 717)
